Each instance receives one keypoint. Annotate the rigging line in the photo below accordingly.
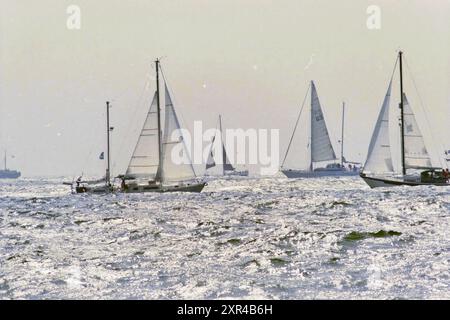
(91, 150)
(139, 106)
(424, 109)
(296, 124)
(86, 160)
(188, 153)
(393, 70)
(174, 100)
(216, 130)
(142, 130)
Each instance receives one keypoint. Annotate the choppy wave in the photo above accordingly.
(268, 238)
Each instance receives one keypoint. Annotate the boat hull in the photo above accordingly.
(193, 187)
(197, 187)
(378, 182)
(317, 174)
(95, 189)
(237, 173)
(9, 174)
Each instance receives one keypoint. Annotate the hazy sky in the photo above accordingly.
(250, 60)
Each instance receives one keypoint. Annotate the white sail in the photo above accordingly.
(214, 164)
(176, 163)
(321, 147)
(144, 162)
(217, 156)
(416, 154)
(226, 162)
(210, 163)
(379, 159)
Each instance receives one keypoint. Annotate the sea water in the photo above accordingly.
(241, 238)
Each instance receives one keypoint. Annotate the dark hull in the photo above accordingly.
(96, 189)
(317, 174)
(194, 187)
(229, 174)
(9, 174)
(375, 182)
(198, 187)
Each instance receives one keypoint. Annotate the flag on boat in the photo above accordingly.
(102, 156)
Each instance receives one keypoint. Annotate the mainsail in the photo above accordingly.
(176, 166)
(216, 153)
(379, 159)
(416, 154)
(321, 147)
(226, 162)
(144, 162)
(210, 163)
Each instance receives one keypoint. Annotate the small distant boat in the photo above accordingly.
(319, 146)
(7, 173)
(104, 184)
(378, 169)
(224, 167)
(151, 167)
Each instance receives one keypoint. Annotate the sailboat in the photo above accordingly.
(378, 169)
(104, 184)
(319, 146)
(151, 167)
(7, 173)
(218, 151)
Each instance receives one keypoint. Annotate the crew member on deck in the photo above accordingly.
(446, 174)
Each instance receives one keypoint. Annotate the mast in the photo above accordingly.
(310, 130)
(5, 160)
(158, 108)
(221, 142)
(220, 127)
(402, 118)
(108, 168)
(342, 135)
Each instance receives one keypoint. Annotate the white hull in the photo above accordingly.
(183, 187)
